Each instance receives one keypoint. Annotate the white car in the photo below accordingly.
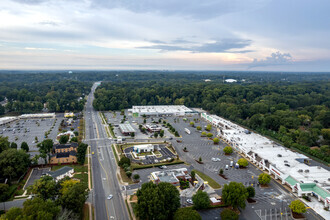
(215, 159)
(190, 201)
(110, 197)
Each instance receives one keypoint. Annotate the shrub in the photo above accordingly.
(228, 150)
(124, 160)
(228, 214)
(136, 176)
(129, 174)
(264, 178)
(209, 135)
(297, 206)
(251, 191)
(243, 162)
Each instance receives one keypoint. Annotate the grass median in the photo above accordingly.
(210, 181)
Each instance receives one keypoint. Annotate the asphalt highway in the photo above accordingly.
(104, 167)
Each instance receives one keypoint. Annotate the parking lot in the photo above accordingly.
(35, 175)
(116, 118)
(28, 129)
(268, 199)
(151, 159)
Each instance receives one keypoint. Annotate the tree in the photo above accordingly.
(201, 200)
(228, 214)
(124, 160)
(66, 184)
(14, 163)
(203, 134)
(4, 143)
(221, 172)
(251, 191)
(81, 152)
(45, 146)
(200, 159)
(38, 208)
(216, 140)
(209, 135)
(161, 133)
(132, 134)
(25, 146)
(228, 150)
(74, 139)
(12, 214)
(192, 124)
(36, 139)
(13, 145)
(45, 188)
(208, 127)
(243, 162)
(193, 175)
(64, 139)
(74, 197)
(234, 194)
(199, 128)
(264, 178)
(156, 134)
(297, 206)
(3, 192)
(157, 201)
(128, 174)
(187, 213)
(176, 134)
(136, 176)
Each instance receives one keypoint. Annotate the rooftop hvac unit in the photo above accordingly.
(306, 171)
(279, 155)
(318, 167)
(300, 170)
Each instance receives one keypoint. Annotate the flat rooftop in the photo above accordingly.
(160, 109)
(288, 162)
(126, 128)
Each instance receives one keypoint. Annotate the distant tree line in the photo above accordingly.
(30, 97)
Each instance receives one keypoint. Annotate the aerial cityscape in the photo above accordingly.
(164, 110)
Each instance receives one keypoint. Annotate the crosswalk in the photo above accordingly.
(274, 214)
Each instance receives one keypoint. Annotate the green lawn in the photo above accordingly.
(210, 181)
(114, 151)
(83, 178)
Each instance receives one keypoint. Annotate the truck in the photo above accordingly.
(187, 130)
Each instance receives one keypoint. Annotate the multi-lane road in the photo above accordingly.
(104, 167)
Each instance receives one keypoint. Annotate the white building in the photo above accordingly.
(230, 80)
(143, 148)
(61, 173)
(290, 167)
(153, 127)
(160, 110)
(7, 120)
(68, 133)
(40, 115)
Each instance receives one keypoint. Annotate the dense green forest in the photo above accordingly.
(296, 114)
(27, 93)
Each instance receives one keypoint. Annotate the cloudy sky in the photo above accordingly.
(279, 35)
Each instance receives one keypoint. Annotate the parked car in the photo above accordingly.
(227, 167)
(190, 201)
